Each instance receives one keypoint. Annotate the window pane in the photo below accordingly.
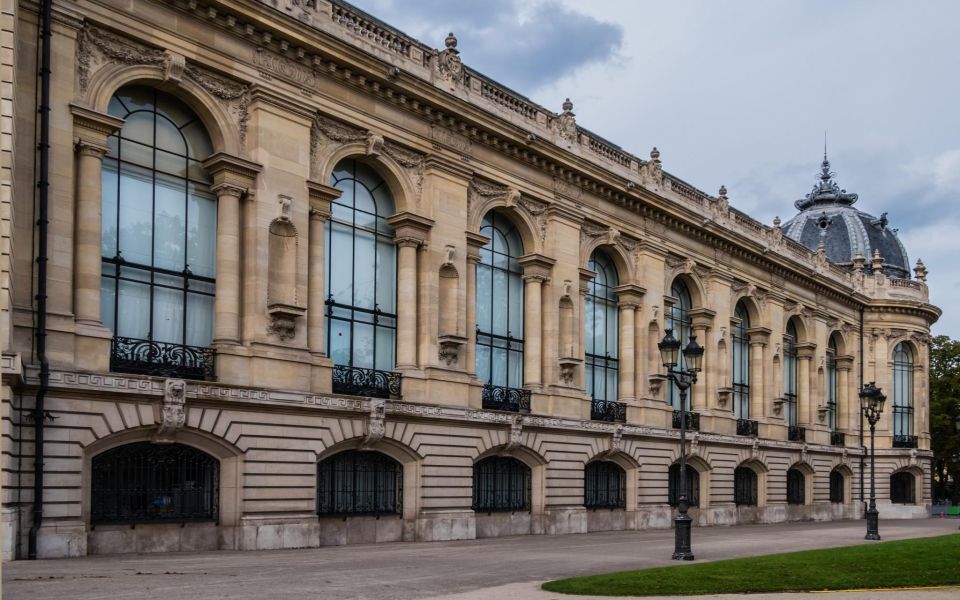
(386, 343)
(501, 324)
(499, 367)
(363, 345)
(134, 308)
(386, 276)
(364, 269)
(138, 126)
(136, 218)
(484, 303)
(169, 223)
(199, 319)
(108, 290)
(339, 259)
(483, 363)
(516, 305)
(202, 238)
(168, 315)
(108, 182)
(169, 137)
(339, 341)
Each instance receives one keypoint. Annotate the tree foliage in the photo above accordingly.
(944, 409)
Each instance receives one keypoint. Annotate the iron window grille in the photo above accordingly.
(356, 482)
(605, 410)
(796, 434)
(744, 486)
(790, 374)
(604, 485)
(903, 488)
(795, 487)
(748, 427)
(693, 420)
(159, 359)
(836, 487)
(145, 482)
(904, 441)
(741, 363)
(678, 318)
(501, 484)
(838, 438)
(601, 366)
(498, 397)
(693, 486)
(360, 279)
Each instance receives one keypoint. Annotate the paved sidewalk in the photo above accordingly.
(474, 569)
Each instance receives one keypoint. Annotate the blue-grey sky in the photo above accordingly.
(740, 93)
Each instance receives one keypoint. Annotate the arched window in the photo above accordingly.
(903, 488)
(744, 486)
(832, 384)
(602, 328)
(903, 397)
(678, 319)
(790, 374)
(361, 280)
(144, 482)
(501, 484)
(693, 486)
(500, 305)
(604, 485)
(795, 487)
(741, 363)
(836, 486)
(356, 482)
(159, 224)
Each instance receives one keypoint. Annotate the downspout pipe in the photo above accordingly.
(43, 184)
(863, 447)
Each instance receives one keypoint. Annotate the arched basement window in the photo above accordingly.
(903, 488)
(836, 486)
(741, 363)
(832, 384)
(159, 235)
(500, 310)
(361, 283)
(795, 487)
(678, 319)
(790, 374)
(356, 482)
(604, 485)
(903, 396)
(744, 486)
(501, 484)
(145, 482)
(602, 325)
(693, 486)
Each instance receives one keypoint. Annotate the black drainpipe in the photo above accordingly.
(43, 184)
(863, 446)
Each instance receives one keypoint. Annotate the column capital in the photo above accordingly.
(320, 198)
(92, 127)
(475, 242)
(86, 147)
(407, 242)
(228, 189)
(629, 295)
(845, 362)
(410, 226)
(233, 171)
(701, 317)
(536, 265)
(805, 350)
(759, 335)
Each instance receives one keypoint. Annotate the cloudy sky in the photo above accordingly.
(740, 93)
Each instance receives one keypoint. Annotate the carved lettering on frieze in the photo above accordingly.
(442, 136)
(566, 189)
(271, 64)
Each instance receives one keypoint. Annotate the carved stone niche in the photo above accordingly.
(568, 370)
(283, 306)
(450, 348)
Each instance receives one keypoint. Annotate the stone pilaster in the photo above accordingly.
(536, 272)
(629, 299)
(475, 242)
(410, 233)
(759, 339)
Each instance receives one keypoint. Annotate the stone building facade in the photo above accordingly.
(311, 282)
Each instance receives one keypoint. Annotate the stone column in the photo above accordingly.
(232, 177)
(845, 410)
(702, 321)
(475, 242)
(91, 130)
(804, 359)
(320, 198)
(410, 232)
(759, 338)
(536, 272)
(629, 297)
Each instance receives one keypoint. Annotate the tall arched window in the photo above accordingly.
(144, 482)
(501, 484)
(903, 397)
(832, 383)
(604, 485)
(740, 347)
(796, 484)
(361, 279)
(744, 486)
(159, 224)
(500, 307)
(678, 319)
(693, 485)
(790, 374)
(359, 482)
(602, 328)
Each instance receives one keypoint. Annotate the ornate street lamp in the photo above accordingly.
(683, 378)
(871, 403)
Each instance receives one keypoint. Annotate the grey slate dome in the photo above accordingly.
(827, 217)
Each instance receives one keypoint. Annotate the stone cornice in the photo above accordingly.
(629, 294)
(227, 170)
(408, 225)
(93, 127)
(536, 265)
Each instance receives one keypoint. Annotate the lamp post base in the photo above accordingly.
(873, 523)
(681, 547)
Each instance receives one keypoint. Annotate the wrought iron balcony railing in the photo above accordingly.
(358, 381)
(161, 359)
(838, 438)
(904, 441)
(748, 427)
(796, 434)
(608, 410)
(693, 420)
(500, 397)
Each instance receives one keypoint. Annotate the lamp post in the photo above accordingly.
(871, 403)
(683, 378)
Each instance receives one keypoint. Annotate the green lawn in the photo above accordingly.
(905, 563)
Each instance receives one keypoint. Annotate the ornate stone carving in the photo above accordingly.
(374, 144)
(652, 171)
(820, 262)
(775, 234)
(376, 422)
(234, 95)
(173, 66)
(516, 435)
(538, 210)
(173, 415)
(449, 65)
(97, 47)
(721, 206)
(617, 443)
(568, 370)
(566, 124)
(449, 348)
